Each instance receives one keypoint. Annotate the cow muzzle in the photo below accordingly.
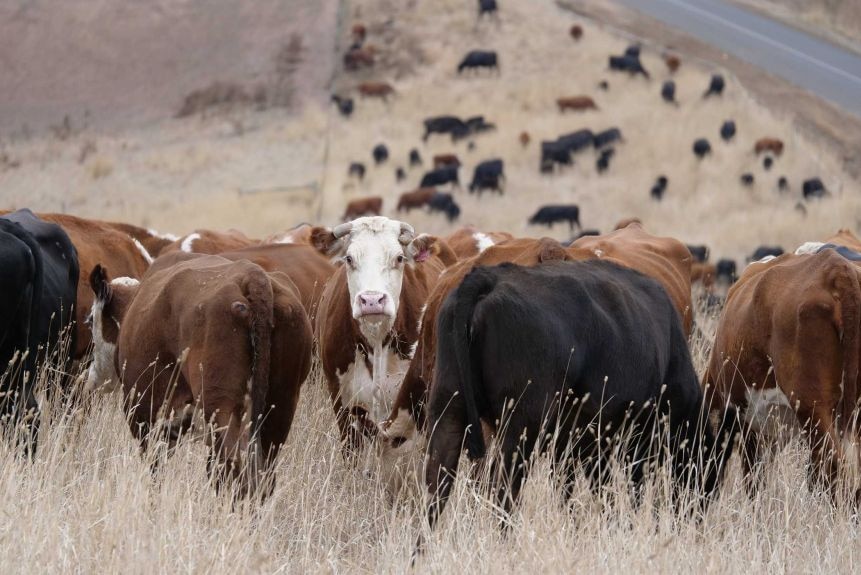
(372, 303)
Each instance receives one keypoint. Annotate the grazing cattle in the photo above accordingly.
(345, 105)
(787, 348)
(576, 32)
(668, 91)
(370, 206)
(702, 148)
(602, 164)
(442, 160)
(767, 162)
(415, 199)
(380, 90)
(813, 188)
(725, 270)
(604, 138)
(359, 32)
(604, 85)
(380, 153)
(298, 234)
(700, 254)
(357, 58)
(576, 103)
(468, 241)
(159, 334)
(727, 130)
(553, 153)
(487, 7)
(633, 50)
(782, 184)
(773, 145)
(716, 86)
(441, 176)
(478, 59)
(415, 158)
(627, 63)
(400, 174)
(524, 139)
(634, 353)
(763, 252)
(477, 125)
(579, 140)
(747, 179)
(549, 215)
(441, 202)
(210, 242)
(673, 62)
(659, 188)
(367, 323)
(452, 125)
(488, 175)
(357, 169)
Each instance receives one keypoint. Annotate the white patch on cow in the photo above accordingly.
(155, 234)
(764, 260)
(125, 281)
(187, 243)
(286, 239)
(413, 347)
(421, 317)
(482, 241)
(769, 412)
(809, 248)
(102, 373)
(358, 388)
(143, 251)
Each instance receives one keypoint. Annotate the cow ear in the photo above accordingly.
(100, 283)
(422, 248)
(324, 241)
(551, 251)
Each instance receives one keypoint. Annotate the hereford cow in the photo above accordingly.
(380, 90)
(468, 241)
(210, 242)
(370, 206)
(576, 103)
(367, 323)
(786, 350)
(773, 145)
(415, 199)
(200, 332)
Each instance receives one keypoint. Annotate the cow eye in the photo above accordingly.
(400, 259)
(348, 260)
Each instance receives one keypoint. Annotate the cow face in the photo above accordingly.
(374, 251)
(109, 306)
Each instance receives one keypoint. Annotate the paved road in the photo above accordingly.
(804, 60)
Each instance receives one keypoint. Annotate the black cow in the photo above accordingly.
(716, 86)
(727, 130)
(415, 158)
(576, 141)
(767, 162)
(765, 251)
(479, 59)
(813, 188)
(659, 188)
(633, 51)
(699, 253)
(725, 271)
(783, 184)
(487, 7)
(442, 202)
(553, 153)
(702, 148)
(477, 125)
(445, 125)
(488, 176)
(604, 138)
(587, 373)
(602, 164)
(380, 153)
(400, 174)
(345, 105)
(668, 91)
(549, 215)
(440, 176)
(357, 169)
(630, 64)
(747, 179)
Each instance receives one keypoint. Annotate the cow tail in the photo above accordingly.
(477, 285)
(849, 293)
(258, 292)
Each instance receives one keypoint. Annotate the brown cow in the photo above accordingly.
(845, 237)
(576, 32)
(358, 57)
(442, 160)
(787, 345)
(152, 240)
(210, 242)
(415, 199)
(773, 145)
(576, 103)
(300, 234)
(468, 241)
(524, 138)
(368, 320)
(375, 90)
(369, 206)
(673, 62)
(204, 333)
(359, 32)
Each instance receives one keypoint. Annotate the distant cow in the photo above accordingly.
(477, 125)
(487, 176)
(813, 188)
(357, 169)
(380, 153)
(627, 63)
(699, 254)
(633, 50)
(442, 202)
(442, 160)
(380, 90)
(727, 131)
(524, 139)
(469, 241)
(415, 199)
(576, 32)
(773, 145)
(602, 164)
(400, 174)
(606, 137)
(783, 184)
(356, 58)
(579, 140)
(659, 188)
(549, 215)
(445, 125)
(359, 32)
(673, 62)
(716, 86)
(747, 179)
(487, 7)
(415, 158)
(725, 270)
(576, 103)
(477, 59)
(767, 162)
(344, 103)
(668, 91)
(702, 148)
(765, 252)
(441, 176)
(553, 153)
(370, 206)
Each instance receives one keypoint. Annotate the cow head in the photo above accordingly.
(374, 251)
(400, 448)
(109, 308)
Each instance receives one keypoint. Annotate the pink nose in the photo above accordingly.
(372, 302)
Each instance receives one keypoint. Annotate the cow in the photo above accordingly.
(367, 322)
(415, 158)
(803, 369)
(477, 59)
(370, 206)
(627, 63)
(344, 103)
(400, 174)
(415, 199)
(716, 86)
(468, 241)
(357, 57)
(442, 160)
(359, 32)
(668, 92)
(602, 164)
(633, 50)
(813, 188)
(763, 252)
(158, 334)
(580, 140)
(487, 8)
(604, 85)
(700, 254)
(576, 32)
(210, 242)
(702, 148)
(725, 271)
(357, 169)
(488, 175)
(727, 130)
(605, 137)
(659, 188)
(634, 353)
(477, 125)
(298, 234)
(380, 153)
(772, 145)
(747, 179)
(444, 203)
(576, 103)
(380, 90)
(452, 125)
(767, 162)
(673, 62)
(440, 176)
(549, 215)
(553, 153)
(782, 184)
(524, 139)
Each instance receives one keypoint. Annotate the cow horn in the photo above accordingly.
(407, 233)
(342, 230)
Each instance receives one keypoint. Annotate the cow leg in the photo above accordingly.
(443, 454)
(510, 466)
(826, 452)
(751, 462)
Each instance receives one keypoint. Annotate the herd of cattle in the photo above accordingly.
(425, 342)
